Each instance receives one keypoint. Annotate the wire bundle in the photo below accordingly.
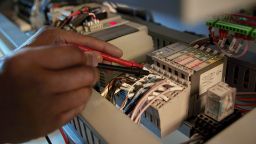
(61, 23)
(82, 21)
(137, 94)
(113, 87)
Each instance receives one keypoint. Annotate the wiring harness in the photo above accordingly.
(83, 20)
(245, 101)
(134, 95)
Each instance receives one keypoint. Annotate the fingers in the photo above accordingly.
(65, 117)
(71, 79)
(74, 38)
(69, 105)
(70, 100)
(44, 36)
(64, 56)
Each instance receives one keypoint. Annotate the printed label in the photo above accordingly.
(210, 78)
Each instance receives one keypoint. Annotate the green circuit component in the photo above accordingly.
(237, 28)
(254, 33)
(211, 22)
(245, 30)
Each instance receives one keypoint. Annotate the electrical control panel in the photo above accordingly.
(198, 67)
(185, 84)
(179, 78)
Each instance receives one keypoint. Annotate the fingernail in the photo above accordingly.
(93, 58)
(98, 57)
(88, 58)
(118, 51)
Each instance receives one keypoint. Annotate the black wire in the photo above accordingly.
(48, 140)
(129, 70)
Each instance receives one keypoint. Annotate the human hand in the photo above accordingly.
(46, 84)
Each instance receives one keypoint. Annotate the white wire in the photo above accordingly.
(198, 40)
(144, 98)
(92, 14)
(131, 87)
(137, 119)
(245, 50)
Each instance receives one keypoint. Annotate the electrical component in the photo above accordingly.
(85, 19)
(233, 34)
(132, 38)
(220, 101)
(179, 78)
(208, 127)
(95, 20)
(198, 67)
(82, 21)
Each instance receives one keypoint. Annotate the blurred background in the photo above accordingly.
(172, 14)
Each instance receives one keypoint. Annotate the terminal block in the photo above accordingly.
(233, 34)
(168, 102)
(249, 31)
(208, 127)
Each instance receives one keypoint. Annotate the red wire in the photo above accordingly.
(249, 105)
(240, 36)
(241, 109)
(244, 16)
(214, 38)
(72, 15)
(245, 22)
(85, 9)
(64, 136)
(246, 99)
(249, 20)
